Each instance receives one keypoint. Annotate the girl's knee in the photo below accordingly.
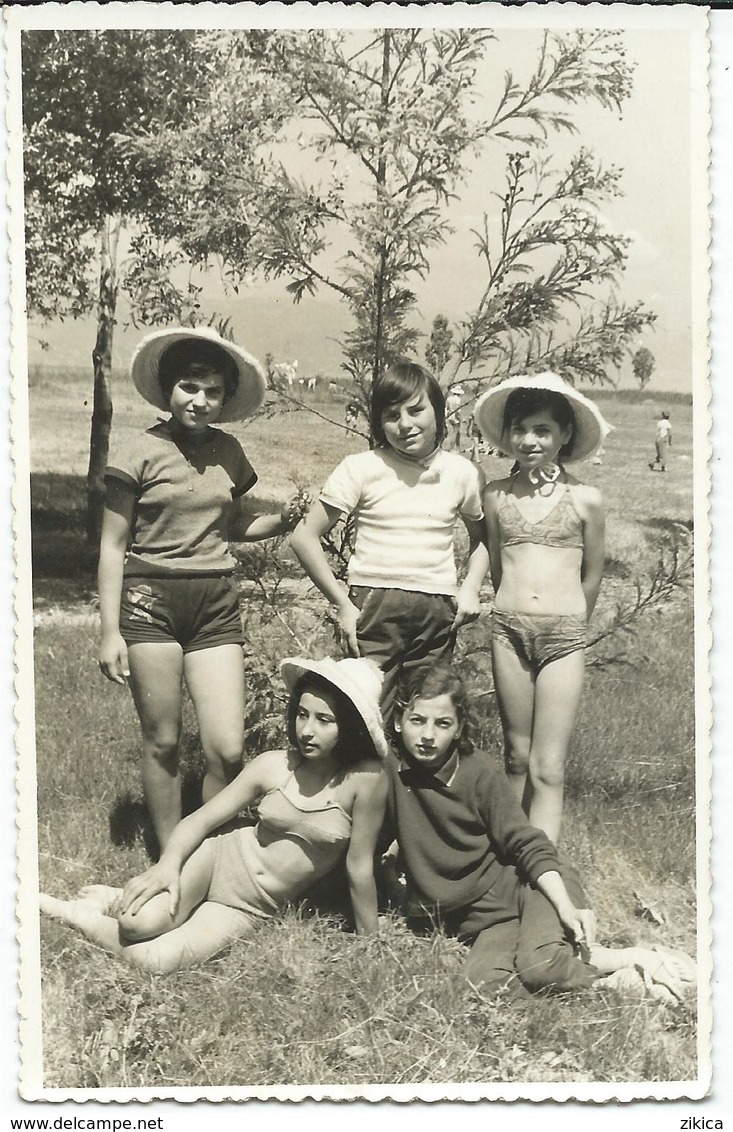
(547, 770)
(162, 748)
(225, 757)
(516, 756)
(553, 967)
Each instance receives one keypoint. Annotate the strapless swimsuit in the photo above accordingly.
(324, 829)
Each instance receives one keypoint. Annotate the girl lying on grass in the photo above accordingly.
(403, 606)
(545, 533)
(475, 866)
(317, 801)
(168, 605)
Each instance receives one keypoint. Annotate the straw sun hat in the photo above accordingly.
(590, 428)
(251, 385)
(356, 678)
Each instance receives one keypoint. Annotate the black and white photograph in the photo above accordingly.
(360, 437)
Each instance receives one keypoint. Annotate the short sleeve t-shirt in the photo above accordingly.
(663, 429)
(405, 513)
(185, 489)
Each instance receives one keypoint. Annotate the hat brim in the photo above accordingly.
(590, 427)
(251, 383)
(292, 669)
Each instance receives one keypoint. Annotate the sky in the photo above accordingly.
(651, 141)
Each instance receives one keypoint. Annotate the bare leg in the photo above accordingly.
(155, 680)
(557, 695)
(209, 929)
(215, 680)
(514, 683)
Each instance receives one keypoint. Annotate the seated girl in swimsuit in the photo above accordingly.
(546, 547)
(320, 800)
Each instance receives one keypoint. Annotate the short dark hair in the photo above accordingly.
(402, 381)
(193, 357)
(426, 683)
(354, 741)
(523, 403)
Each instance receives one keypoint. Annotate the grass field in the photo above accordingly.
(304, 1001)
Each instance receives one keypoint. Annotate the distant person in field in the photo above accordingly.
(453, 404)
(662, 443)
(351, 415)
(475, 867)
(319, 801)
(403, 606)
(168, 603)
(545, 534)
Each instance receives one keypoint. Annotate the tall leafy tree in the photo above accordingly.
(390, 118)
(387, 116)
(643, 364)
(438, 349)
(122, 158)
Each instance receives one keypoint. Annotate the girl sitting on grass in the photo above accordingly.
(475, 866)
(403, 606)
(545, 534)
(317, 801)
(168, 604)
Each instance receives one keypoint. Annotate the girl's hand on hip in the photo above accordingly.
(159, 878)
(347, 616)
(468, 607)
(113, 662)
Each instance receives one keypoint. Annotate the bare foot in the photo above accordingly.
(668, 974)
(102, 896)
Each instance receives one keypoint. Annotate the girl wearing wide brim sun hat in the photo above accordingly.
(160, 352)
(319, 801)
(169, 607)
(589, 428)
(545, 534)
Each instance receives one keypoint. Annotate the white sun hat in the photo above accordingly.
(357, 678)
(251, 383)
(590, 428)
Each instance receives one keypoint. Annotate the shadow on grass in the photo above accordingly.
(129, 820)
(64, 565)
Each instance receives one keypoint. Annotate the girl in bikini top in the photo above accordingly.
(562, 527)
(542, 423)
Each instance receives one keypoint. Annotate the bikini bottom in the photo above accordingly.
(539, 638)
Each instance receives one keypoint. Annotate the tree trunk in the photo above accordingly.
(102, 361)
(381, 181)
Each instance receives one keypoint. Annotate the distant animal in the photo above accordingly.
(311, 383)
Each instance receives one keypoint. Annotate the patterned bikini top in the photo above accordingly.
(319, 827)
(562, 527)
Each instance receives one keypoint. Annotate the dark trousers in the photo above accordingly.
(402, 629)
(517, 942)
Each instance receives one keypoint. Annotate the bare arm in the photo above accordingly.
(251, 783)
(246, 527)
(366, 823)
(306, 543)
(580, 923)
(594, 546)
(469, 599)
(116, 527)
(493, 538)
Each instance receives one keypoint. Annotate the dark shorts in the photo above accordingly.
(402, 629)
(198, 613)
